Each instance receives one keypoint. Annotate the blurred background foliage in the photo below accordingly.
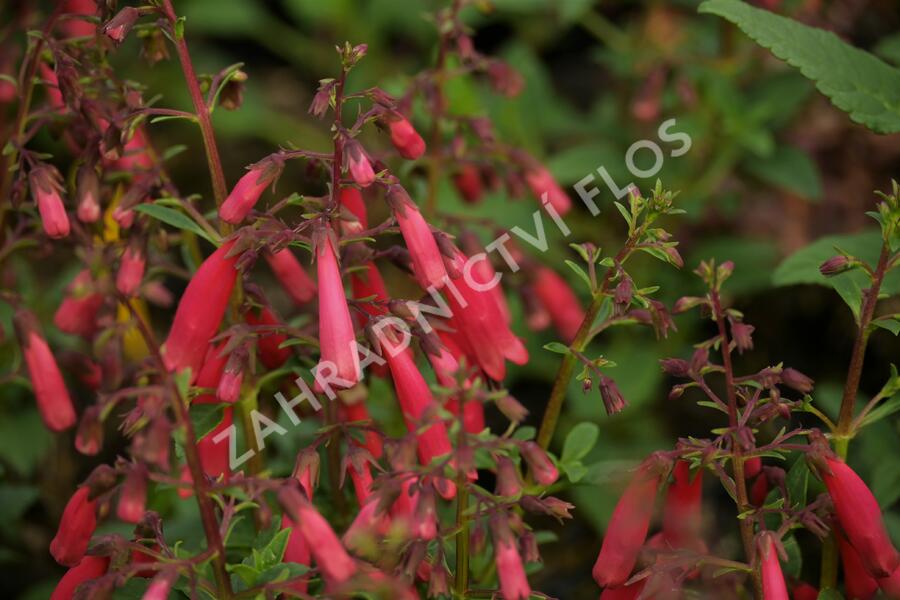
(773, 166)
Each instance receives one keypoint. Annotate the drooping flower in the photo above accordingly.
(77, 313)
(247, 191)
(405, 138)
(131, 270)
(214, 456)
(468, 183)
(358, 164)
(51, 86)
(628, 526)
(90, 568)
(118, 28)
(804, 591)
(560, 301)
(46, 191)
(544, 186)
(292, 276)
(774, 587)
(76, 527)
(358, 411)
(271, 355)
(417, 403)
(510, 570)
(542, 468)
(337, 338)
(332, 559)
(229, 388)
(133, 497)
(50, 390)
(352, 199)
(509, 483)
(428, 265)
(858, 584)
(296, 551)
(88, 192)
(200, 311)
(752, 467)
(683, 507)
(860, 518)
(160, 587)
(75, 27)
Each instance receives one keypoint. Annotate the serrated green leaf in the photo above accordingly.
(857, 82)
(205, 417)
(174, 218)
(580, 440)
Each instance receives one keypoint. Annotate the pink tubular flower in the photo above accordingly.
(890, 586)
(213, 456)
(52, 87)
(268, 344)
(405, 138)
(296, 551)
(358, 164)
(683, 509)
(416, 403)
(200, 311)
(628, 527)
(560, 301)
(292, 276)
(160, 587)
(337, 338)
(50, 390)
(544, 186)
(45, 189)
(131, 271)
(332, 559)
(428, 265)
(90, 567)
(137, 155)
(351, 199)
(79, 27)
(774, 587)
(88, 193)
(247, 191)
(510, 570)
(359, 412)
(860, 518)
(858, 584)
(542, 468)
(133, 497)
(77, 313)
(76, 527)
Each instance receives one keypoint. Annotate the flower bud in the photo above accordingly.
(509, 484)
(358, 164)
(131, 270)
(118, 28)
(742, 334)
(542, 468)
(405, 138)
(88, 192)
(46, 190)
(468, 183)
(796, 380)
(133, 496)
(76, 527)
(511, 408)
(613, 401)
(834, 265)
(676, 367)
(89, 437)
(504, 79)
(232, 94)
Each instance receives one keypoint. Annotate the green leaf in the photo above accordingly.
(556, 347)
(789, 168)
(795, 559)
(15, 499)
(174, 218)
(889, 48)
(857, 82)
(797, 481)
(205, 417)
(579, 442)
(273, 552)
(575, 470)
(889, 322)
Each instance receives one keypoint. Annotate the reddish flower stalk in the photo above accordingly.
(628, 527)
(50, 390)
(200, 311)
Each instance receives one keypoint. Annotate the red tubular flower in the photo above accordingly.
(890, 586)
(752, 466)
(50, 390)
(468, 183)
(88, 192)
(292, 276)
(405, 138)
(544, 186)
(560, 301)
(774, 587)
(482, 330)
(358, 164)
(416, 401)
(77, 313)
(359, 412)
(54, 96)
(352, 199)
(510, 570)
(200, 311)
(213, 456)
(79, 27)
(133, 497)
(247, 191)
(76, 527)
(137, 154)
(858, 584)
(428, 265)
(628, 527)
(296, 551)
(45, 189)
(759, 490)
(160, 586)
(337, 339)
(90, 567)
(334, 563)
(804, 591)
(131, 270)
(683, 507)
(860, 518)
(267, 344)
